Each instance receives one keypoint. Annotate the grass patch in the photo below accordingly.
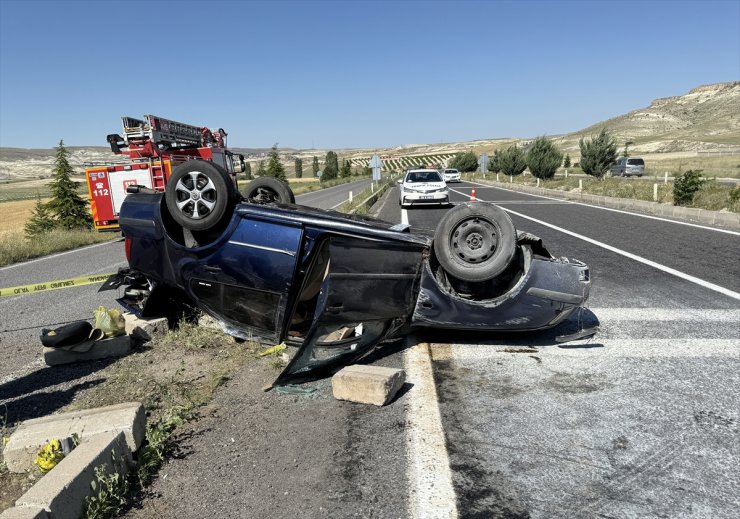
(713, 196)
(14, 247)
(173, 376)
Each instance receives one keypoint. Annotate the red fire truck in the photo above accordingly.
(153, 147)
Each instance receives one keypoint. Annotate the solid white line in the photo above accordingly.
(726, 231)
(635, 257)
(667, 314)
(431, 494)
(633, 348)
(51, 256)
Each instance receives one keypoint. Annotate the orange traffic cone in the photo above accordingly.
(472, 195)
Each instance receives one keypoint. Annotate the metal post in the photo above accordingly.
(580, 184)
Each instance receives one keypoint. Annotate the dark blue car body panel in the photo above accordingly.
(332, 284)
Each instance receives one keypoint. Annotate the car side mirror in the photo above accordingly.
(399, 181)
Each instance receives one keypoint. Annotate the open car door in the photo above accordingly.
(368, 293)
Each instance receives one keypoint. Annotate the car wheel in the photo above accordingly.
(475, 241)
(199, 194)
(268, 190)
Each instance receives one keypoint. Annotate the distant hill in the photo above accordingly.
(705, 119)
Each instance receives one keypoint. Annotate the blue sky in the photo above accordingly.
(350, 73)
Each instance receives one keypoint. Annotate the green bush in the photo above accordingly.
(686, 186)
(543, 158)
(597, 154)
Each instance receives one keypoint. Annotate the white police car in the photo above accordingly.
(423, 186)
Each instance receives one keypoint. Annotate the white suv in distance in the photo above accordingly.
(451, 175)
(423, 186)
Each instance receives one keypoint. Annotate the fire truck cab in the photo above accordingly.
(151, 149)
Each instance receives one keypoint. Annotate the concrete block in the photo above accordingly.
(31, 435)
(113, 347)
(367, 384)
(145, 329)
(62, 491)
(25, 512)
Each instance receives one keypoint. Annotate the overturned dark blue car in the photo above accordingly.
(332, 285)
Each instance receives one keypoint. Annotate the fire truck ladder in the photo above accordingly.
(159, 130)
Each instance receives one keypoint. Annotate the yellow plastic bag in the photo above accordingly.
(110, 321)
(49, 455)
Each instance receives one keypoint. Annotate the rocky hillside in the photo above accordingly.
(705, 119)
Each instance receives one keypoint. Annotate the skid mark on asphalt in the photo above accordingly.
(431, 494)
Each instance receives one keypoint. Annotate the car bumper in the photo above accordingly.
(452, 179)
(425, 198)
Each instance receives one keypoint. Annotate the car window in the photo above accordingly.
(635, 162)
(433, 176)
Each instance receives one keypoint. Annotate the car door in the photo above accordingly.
(246, 281)
(368, 293)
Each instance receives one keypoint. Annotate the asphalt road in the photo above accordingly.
(639, 421)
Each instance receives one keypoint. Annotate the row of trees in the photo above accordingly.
(543, 157)
(331, 170)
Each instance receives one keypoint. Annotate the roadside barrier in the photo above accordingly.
(54, 285)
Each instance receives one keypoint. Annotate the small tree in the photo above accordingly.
(67, 206)
(346, 169)
(248, 170)
(298, 168)
(566, 162)
(464, 161)
(315, 166)
(597, 154)
(494, 165)
(512, 160)
(543, 158)
(274, 166)
(331, 168)
(627, 145)
(261, 172)
(41, 220)
(686, 186)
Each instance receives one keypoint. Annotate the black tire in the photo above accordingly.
(268, 190)
(475, 241)
(199, 195)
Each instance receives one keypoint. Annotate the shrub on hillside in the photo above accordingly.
(686, 186)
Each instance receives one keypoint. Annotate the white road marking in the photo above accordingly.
(431, 494)
(726, 231)
(404, 216)
(633, 348)
(635, 257)
(51, 256)
(667, 314)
